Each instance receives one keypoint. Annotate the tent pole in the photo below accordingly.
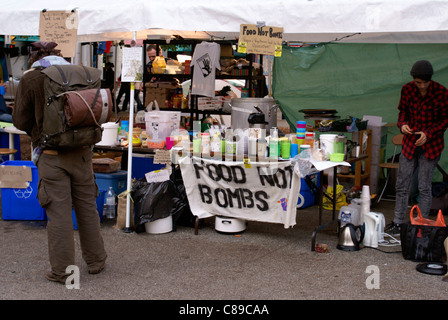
(129, 175)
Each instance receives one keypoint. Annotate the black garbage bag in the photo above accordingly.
(155, 200)
(186, 217)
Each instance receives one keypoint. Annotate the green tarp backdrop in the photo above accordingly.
(354, 79)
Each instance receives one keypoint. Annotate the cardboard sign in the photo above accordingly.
(260, 40)
(15, 177)
(60, 27)
(162, 156)
(263, 191)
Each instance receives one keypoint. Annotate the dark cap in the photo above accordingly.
(41, 49)
(422, 68)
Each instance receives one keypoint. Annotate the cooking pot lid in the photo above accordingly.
(437, 269)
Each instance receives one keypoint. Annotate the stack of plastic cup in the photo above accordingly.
(365, 199)
(301, 129)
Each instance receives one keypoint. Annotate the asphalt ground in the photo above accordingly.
(265, 264)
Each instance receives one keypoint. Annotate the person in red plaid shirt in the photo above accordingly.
(423, 120)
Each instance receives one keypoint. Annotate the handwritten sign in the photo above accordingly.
(260, 40)
(262, 192)
(162, 156)
(60, 27)
(15, 176)
(132, 67)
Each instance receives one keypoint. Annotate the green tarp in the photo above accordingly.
(354, 79)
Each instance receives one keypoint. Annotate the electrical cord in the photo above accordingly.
(390, 243)
(385, 243)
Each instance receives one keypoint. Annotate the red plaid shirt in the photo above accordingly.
(427, 114)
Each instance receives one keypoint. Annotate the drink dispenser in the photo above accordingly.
(257, 119)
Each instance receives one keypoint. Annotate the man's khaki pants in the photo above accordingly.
(66, 179)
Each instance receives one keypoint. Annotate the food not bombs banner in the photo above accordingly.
(250, 191)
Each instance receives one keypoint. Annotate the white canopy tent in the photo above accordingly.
(364, 21)
(381, 21)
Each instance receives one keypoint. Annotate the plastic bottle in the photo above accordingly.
(109, 207)
(273, 144)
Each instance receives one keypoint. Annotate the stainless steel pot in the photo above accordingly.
(243, 107)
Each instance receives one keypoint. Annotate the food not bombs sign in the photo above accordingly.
(260, 40)
(260, 191)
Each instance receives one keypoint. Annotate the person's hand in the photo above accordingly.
(406, 130)
(422, 140)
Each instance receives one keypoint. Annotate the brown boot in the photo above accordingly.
(50, 276)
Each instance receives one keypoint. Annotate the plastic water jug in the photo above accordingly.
(349, 214)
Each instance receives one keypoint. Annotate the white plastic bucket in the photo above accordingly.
(229, 224)
(110, 134)
(327, 143)
(163, 225)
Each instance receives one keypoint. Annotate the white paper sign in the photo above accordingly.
(235, 189)
(132, 67)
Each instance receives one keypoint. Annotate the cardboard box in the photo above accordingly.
(159, 91)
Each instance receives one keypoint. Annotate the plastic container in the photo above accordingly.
(306, 196)
(309, 139)
(110, 134)
(163, 225)
(337, 157)
(327, 143)
(305, 151)
(116, 180)
(205, 143)
(229, 225)
(350, 214)
(125, 125)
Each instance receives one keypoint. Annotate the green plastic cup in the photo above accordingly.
(286, 149)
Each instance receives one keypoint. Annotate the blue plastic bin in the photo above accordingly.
(22, 204)
(116, 180)
(143, 165)
(308, 198)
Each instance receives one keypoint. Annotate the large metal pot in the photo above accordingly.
(242, 108)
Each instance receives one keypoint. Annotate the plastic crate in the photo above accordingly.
(143, 165)
(116, 180)
(22, 204)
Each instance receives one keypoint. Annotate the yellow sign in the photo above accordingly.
(260, 40)
(60, 27)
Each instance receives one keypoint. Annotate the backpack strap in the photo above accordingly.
(89, 78)
(64, 78)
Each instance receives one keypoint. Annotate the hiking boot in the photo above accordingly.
(392, 229)
(50, 276)
(96, 270)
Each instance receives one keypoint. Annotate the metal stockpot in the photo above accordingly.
(243, 107)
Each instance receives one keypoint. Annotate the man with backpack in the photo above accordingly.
(66, 178)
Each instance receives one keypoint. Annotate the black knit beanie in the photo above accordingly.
(422, 69)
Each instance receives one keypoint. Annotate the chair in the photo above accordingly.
(6, 151)
(397, 140)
